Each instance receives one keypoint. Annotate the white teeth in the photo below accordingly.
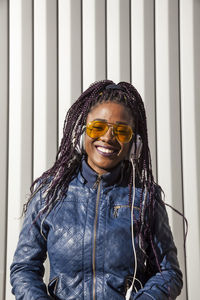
(105, 150)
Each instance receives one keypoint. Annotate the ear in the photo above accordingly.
(134, 154)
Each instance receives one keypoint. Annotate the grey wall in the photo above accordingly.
(51, 50)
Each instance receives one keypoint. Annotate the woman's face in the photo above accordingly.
(106, 152)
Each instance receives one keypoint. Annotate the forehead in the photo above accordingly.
(111, 112)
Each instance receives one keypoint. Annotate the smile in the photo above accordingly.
(106, 151)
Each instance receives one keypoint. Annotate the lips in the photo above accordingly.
(106, 151)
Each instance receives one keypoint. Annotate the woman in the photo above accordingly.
(98, 212)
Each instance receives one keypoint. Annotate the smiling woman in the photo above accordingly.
(98, 212)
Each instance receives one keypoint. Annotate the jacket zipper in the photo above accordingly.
(117, 207)
(97, 183)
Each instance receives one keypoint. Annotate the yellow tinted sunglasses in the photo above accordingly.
(122, 132)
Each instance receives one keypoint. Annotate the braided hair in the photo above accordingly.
(54, 182)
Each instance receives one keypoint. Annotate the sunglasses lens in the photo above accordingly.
(124, 133)
(96, 129)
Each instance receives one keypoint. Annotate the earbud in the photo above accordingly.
(136, 155)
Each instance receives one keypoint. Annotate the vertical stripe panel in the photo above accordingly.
(168, 116)
(118, 40)
(190, 105)
(93, 41)
(3, 136)
(143, 65)
(20, 121)
(45, 85)
(69, 56)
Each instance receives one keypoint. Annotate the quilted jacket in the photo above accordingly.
(88, 240)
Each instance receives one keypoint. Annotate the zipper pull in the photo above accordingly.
(97, 182)
(115, 213)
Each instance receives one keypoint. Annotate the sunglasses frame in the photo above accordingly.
(114, 129)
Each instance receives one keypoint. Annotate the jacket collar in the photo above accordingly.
(90, 176)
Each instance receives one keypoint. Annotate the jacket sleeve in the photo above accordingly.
(27, 269)
(167, 284)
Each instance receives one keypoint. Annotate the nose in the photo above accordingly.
(108, 136)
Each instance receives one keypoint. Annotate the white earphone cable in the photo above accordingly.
(128, 293)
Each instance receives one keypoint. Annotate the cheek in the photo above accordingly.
(87, 144)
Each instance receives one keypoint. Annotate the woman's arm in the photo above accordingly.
(27, 269)
(166, 284)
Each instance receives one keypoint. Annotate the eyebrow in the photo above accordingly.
(103, 120)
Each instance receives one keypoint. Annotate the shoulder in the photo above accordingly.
(36, 202)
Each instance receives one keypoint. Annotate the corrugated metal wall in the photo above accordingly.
(50, 50)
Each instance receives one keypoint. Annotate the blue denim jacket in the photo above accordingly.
(88, 240)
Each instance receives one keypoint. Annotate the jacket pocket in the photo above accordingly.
(64, 287)
(124, 210)
(116, 209)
